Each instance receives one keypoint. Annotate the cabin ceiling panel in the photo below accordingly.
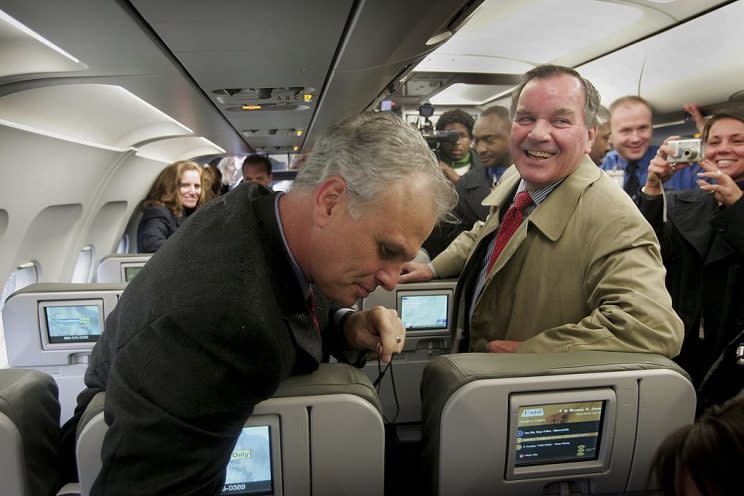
(112, 43)
(570, 31)
(385, 39)
(710, 66)
(183, 148)
(85, 111)
(117, 51)
(228, 44)
(616, 74)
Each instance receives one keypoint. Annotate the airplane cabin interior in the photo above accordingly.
(97, 97)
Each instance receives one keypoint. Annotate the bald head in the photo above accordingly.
(491, 137)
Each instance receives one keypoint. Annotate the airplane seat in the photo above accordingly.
(29, 432)
(120, 267)
(52, 327)
(551, 423)
(427, 312)
(324, 432)
(133, 226)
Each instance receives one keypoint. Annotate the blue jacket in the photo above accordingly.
(683, 179)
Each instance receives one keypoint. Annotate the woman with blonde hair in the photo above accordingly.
(175, 194)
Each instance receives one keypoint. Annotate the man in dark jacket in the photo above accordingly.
(489, 159)
(225, 310)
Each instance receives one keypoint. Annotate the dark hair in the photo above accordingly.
(545, 71)
(164, 191)
(629, 100)
(260, 160)
(711, 451)
(724, 114)
(456, 116)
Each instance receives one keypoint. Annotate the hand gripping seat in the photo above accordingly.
(332, 435)
(489, 421)
(29, 432)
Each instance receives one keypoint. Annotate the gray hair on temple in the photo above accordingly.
(370, 151)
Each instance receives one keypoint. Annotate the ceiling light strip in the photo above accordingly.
(62, 137)
(21, 27)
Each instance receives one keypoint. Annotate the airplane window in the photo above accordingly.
(84, 265)
(24, 275)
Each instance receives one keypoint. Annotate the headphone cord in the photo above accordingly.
(377, 384)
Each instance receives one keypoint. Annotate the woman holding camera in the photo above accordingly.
(701, 232)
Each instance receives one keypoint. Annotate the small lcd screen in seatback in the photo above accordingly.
(558, 432)
(130, 272)
(424, 311)
(249, 470)
(73, 323)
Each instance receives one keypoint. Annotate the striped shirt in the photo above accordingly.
(538, 196)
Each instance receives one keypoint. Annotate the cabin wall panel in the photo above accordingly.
(128, 185)
(104, 228)
(49, 237)
(38, 172)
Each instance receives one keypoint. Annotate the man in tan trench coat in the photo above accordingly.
(582, 271)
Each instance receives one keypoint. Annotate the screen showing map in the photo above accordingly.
(73, 323)
(249, 469)
(560, 432)
(424, 311)
(130, 272)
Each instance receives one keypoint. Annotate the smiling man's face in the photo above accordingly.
(549, 137)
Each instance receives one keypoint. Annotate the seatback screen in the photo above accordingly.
(424, 311)
(130, 272)
(557, 433)
(73, 323)
(249, 470)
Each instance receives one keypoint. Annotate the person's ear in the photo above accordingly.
(327, 199)
(590, 141)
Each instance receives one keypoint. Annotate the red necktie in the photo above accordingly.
(313, 313)
(510, 223)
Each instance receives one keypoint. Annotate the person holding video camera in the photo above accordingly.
(701, 232)
(455, 158)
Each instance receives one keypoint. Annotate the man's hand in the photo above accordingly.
(449, 172)
(697, 116)
(660, 170)
(500, 346)
(377, 329)
(415, 272)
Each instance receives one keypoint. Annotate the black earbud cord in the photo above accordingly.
(378, 382)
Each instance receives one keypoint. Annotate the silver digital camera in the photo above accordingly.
(686, 150)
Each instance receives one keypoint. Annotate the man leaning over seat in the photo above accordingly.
(582, 271)
(191, 347)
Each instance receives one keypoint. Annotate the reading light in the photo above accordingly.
(299, 132)
(251, 107)
(295, 148)
(308, 97)
(438, 38)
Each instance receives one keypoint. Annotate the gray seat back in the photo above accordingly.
(421, 345)
(29, 432)
(29, 338)
(336, 404)
(120, 267)
(470, 434)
